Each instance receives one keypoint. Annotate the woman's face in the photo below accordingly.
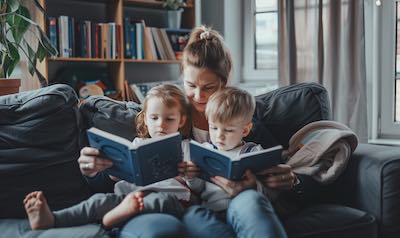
(200, 84)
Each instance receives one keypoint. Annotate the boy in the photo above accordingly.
(229, 113)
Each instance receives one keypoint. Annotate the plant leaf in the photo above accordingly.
(11, 60)
(32, 60)
(41, 52)
(13, 4)
(45, 41)
(20, 26)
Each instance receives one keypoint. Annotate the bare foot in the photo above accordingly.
(130, 206)
(39, 214)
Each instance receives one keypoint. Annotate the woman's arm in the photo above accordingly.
(92, 167)
(233, 188)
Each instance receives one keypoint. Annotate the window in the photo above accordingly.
(387, 73)
(260, 41)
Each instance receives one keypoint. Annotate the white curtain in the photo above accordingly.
(323, 41)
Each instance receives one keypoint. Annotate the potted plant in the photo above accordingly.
(174, 11)
(16, 26)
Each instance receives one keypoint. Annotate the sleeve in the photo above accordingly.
(197, 185)
(101, 183)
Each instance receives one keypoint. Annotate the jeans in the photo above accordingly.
(155, 225)
(249, 214)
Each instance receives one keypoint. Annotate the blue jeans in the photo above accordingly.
(154, 225)
(249, 215)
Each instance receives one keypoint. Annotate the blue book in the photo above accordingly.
(53, 31)
(153, 160)
(213, 162)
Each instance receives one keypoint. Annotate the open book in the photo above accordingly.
(213, 162)
(153, 160)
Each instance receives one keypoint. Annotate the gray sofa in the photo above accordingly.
(42, 131)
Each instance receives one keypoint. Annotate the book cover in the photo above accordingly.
(153, 160)
(213, 162)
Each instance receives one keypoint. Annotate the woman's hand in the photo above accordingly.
(90, 163)
(188, 169)
(233, 188)
(279, 177)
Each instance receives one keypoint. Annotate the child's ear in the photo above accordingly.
(182, 122)
(247, 128)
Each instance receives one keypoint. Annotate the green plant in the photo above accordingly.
(173, 4)
(21, 36)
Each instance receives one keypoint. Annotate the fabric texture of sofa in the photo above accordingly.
(42, 131)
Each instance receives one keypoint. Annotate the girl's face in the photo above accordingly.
(200, 84)
(161, 119)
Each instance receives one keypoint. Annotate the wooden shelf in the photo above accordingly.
(152, 61)
(112, 11)
(85, 60)
(150, 4)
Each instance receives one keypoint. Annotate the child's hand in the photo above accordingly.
(192, 170)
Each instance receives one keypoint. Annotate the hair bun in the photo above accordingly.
(205, 35)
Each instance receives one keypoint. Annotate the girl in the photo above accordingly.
(206, 68)
(164, 112)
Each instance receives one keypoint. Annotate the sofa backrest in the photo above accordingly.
(39, 146)
(282, 112)
(116, 117)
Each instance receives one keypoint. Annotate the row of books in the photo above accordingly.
(85, 39)
(144, 42)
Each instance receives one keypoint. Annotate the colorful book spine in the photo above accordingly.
(53, 31)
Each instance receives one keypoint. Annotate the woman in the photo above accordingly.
(206, 68)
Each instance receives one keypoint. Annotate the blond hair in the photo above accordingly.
(230, 104)
(206, 49)
(171, 96)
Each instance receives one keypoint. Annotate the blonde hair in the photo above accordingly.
(206, 49)
(230, 104)
(170, 96)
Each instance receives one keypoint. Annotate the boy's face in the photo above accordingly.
(227, 136)
(161, 119)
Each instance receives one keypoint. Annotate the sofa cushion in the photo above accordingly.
(331, 221)
(282, 112)
(373, 180)
(109, 115)
(39, 146)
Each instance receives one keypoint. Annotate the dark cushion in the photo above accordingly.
(331, 221)
(39, 146)
(112, 116)
(282, 112)
(373, 180)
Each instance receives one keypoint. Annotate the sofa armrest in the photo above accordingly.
(372, 183)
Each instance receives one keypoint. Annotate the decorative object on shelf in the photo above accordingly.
(16, 26)
(174, 11)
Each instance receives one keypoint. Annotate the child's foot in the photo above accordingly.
(39, 214)
(130, 206)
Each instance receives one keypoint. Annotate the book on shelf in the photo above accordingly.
(153, 160)
(178, 39)
(85, 38)
(52, 21)
(213, 162)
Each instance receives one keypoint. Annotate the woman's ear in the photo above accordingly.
(182, 121)
(247, 128)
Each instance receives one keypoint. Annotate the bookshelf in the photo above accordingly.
(105, 11)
